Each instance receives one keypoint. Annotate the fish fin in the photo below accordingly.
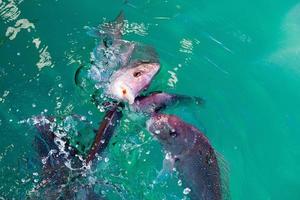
(144, 54)
(93, 31)
(156, 92)
(198, 100)
(113, 28)
(167, 169)
(224, 175)
(105, 131)
(120, 19)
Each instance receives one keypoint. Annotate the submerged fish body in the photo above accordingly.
(60, 163)
(157, 101)
(127, 83)
(194, 157)
(112, 52)
(105, 131)
(63, 168)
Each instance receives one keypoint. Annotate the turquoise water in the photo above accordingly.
(242, 57)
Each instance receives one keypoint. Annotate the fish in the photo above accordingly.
(105, 131)
(63, 167)
(193, 156)
(60, 163)
(158, 100)
(128, 83)
(111, 53)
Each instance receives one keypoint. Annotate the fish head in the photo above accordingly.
(170, 131)
(127, 83)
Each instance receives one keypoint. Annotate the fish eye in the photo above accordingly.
(137, 74)
(173, 133)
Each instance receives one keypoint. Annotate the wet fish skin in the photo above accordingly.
(194, 157)
(127, 83)
(58, 180)
(105, 131)
(156, 101)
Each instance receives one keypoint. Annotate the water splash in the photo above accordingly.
(9, 10)
(12, 32)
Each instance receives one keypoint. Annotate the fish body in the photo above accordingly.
(156, 101)
(110, 54)
(63, 168)
(105, 131)
(194, 157)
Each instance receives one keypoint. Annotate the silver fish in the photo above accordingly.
(127, 83)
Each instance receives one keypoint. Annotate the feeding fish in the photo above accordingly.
(157, 101)
(110, 54)
(105, 131)
(63, 165)
(192, 154)
(127, 83)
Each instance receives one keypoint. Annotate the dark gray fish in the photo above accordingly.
(105, 131)
(157, 101)
(112, 52)
(63, 166)
(60, 164)
(193, 155)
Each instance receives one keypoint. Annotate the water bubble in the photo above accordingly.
(179, 182)
(33, 105)
(186, 191)
(157, 132)
(106, 159)
(60, 85)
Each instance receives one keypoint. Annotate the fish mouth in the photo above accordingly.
(123, 91)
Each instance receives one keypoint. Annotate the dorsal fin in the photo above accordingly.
(118, 25)
(224, 175)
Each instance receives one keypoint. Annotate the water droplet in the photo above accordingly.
(60, 85)
(186, 191)
(106, 159)
(33, 105)
(179, 182)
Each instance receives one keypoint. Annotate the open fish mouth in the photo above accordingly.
(127, 83)
(123, 91)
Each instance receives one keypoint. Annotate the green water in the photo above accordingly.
(242, 57)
